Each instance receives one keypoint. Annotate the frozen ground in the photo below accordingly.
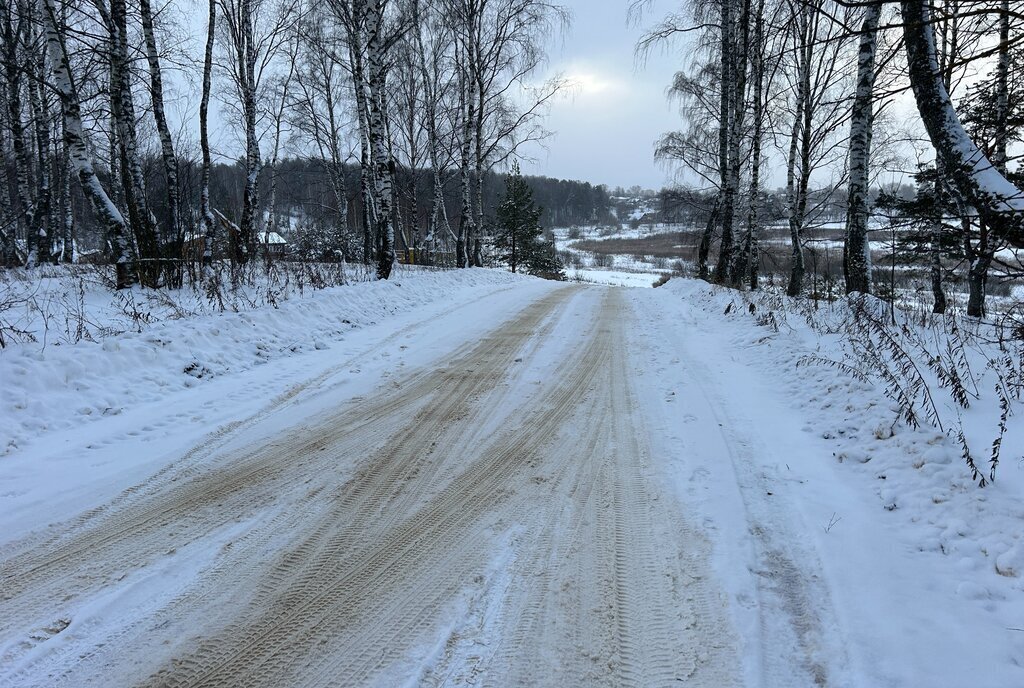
(499, 481)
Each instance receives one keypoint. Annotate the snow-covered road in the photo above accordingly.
(494, 515)
(543, 485)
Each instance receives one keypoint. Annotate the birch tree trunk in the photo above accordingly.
(737, 89)
(205, 212)
(156, 90)
(796, 184)
(856, 249)
(247, 72)
(68, 250)
(724, 132)
(797, 269)
(14, 29)
(478, 160)
(466, 214)
(43, 225)
(375, 46)
(996, 200)
(142, 222)
(746, 269)
(367, 181)
(78, 151)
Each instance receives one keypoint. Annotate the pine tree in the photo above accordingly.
(519, 240)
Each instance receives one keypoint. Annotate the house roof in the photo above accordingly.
(271, 238)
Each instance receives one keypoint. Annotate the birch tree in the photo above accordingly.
(156, 92)
(320, 82)
(747, 258)
(856, 249)
(499, 47)
(42, 230)
(377, 95)
(817, 111)
(124, 121)
(991, 195)
(432, 38)
(253, 32)
(78, 151)
(15, 29)
(205, 210)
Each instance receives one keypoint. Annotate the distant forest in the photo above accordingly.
(299, 190)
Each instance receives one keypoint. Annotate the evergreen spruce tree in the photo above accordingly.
(519, 240)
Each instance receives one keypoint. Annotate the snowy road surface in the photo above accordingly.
(537, 487)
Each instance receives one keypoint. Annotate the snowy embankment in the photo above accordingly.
(924, 568)
(54, 384)
(68, 403)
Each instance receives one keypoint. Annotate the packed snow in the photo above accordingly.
(483, 476)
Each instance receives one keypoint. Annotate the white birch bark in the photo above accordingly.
(354, 27)
(246, 55)
(375, 46)
(466, 114)
(747, 264)
(799, 150)
(141, 220)
(856, 249)
(78, 151)
(735, 87)
(994, 198)
(69, 252)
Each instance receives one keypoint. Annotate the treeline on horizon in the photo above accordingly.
(307, 218)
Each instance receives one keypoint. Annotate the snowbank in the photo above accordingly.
(57, 379)
(950, 551)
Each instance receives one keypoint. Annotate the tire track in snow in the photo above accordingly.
(607, 585)
(521, 536)
(798, 641)
(365, 604)
(177, 508)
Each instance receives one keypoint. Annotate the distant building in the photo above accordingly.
(193, 245)
(273, 243)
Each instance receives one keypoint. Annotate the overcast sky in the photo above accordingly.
(605, 132)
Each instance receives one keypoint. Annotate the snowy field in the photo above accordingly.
(469, 476)
(624, 271)
(613, 278)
